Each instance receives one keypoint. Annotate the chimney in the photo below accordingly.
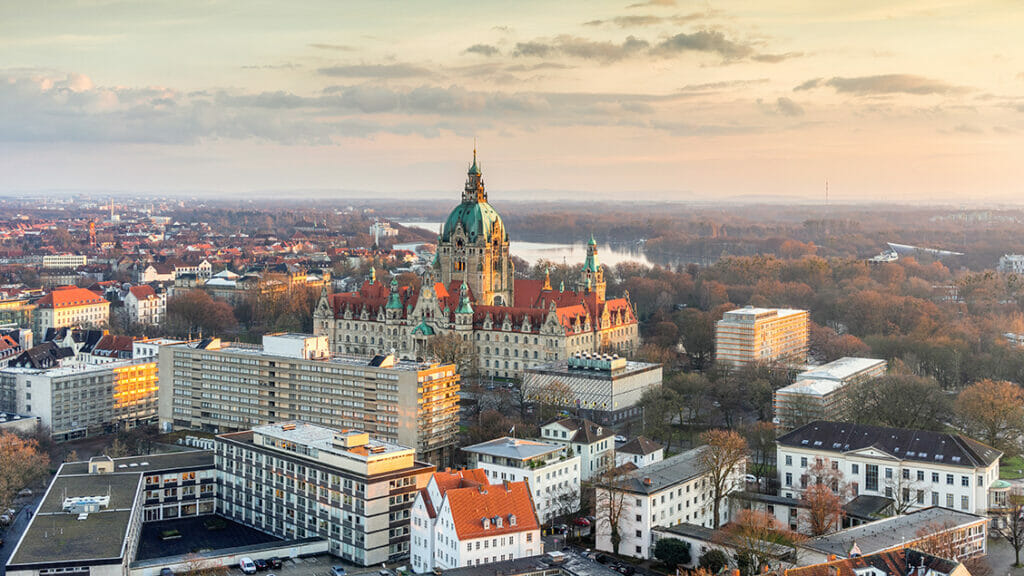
(647, 482)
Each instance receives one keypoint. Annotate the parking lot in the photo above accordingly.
(319, 565)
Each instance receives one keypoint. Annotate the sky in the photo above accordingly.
(892, 101)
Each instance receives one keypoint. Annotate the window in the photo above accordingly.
(965, 502)
(920, 497)
(920, 475)
(854, 468)
(803, 462)
(935, 478)
(949, 500)
(888, 473)
(789, 478)
(871, 477)
(639, 533)
(789, 459)
(935, 498)
(906, 474)
(965, 481)
(638, 517)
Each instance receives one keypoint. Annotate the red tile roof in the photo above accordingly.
(143, 292)
(449, 479)
(470, 506)
(68, 297)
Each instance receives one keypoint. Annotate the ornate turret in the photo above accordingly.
(393, 301)
(592, 275)
(474, 191)
(465, 308)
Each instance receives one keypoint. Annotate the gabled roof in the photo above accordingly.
(470, 506)
(584, 431)
(114, 346)
(912, 445)
(903, 562)
(45, 355)
(640, 445)
(70, 296)
(143, 292)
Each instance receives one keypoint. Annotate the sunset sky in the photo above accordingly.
(908, 101)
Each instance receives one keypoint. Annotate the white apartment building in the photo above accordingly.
(460, 519)
(70, 306)
(674, 491)
(761, 335)
(297, 480)
(820, 393)
(916, 468)
(221, 387)
(593, 443)
(553, 474)
(61, 261)
(639, 452)
(1011, 263)
(145, 306)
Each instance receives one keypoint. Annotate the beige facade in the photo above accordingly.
(228, 387)
(762, 335)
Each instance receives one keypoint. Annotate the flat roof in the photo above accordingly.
(561, 368)
(751, 311)
(812, 387)
(514, 448)
(840, 369)
(323, 439)
(163, 462)
(888, 532)
(58, 536)
(341, 360)
(80, 367)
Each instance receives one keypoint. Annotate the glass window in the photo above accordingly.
(871, 477)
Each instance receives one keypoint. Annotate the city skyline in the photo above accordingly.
(658, 100)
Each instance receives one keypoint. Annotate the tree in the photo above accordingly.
(722, 459)
(821, 509)
(941, 539)
(22, 464)
(452, 349)
(713, 561)
(613, 505)
(659, 408)
(117, 449)
(71, 456)
(757, 537)
(761, 439)
(1013, 529)
(195, 311)
(197, 566)
(992, 412)
(899, 401)
(672, 552)
(905, 491)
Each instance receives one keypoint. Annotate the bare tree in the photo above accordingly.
(821, 509)
(758, 538)
(613, 504)
(942, 540)
(22, 464)
(195, 565)
(723, 458)
(452, 349)
(905, 492)
(1013, 529)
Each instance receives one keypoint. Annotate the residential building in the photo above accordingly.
(299, 480)
(593, 443)
(639, 452)
(552, 473)
(220, 387)
(89, 520)
(753, 334)
(674, 491)
(820, 393)
(54, 261)
(1011, 263)
(17, 312)
(794, 513)
(702, 539)
(602, 387)
(18, 423)
(906, 561)
(471, 290)
(145, 305)
(915, 468)
(77, 399)
(966, 532)
(10, 348)
(70, 306)
(459, 519)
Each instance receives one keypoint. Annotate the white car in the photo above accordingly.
(247, 565)
(620, 438)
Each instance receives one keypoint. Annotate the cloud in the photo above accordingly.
(334, 47)
(788, 107)
(653, 3)
(775, 58)
(968, 129)
(723, 85)
(884, 84)
(594, 23)
(637, 21)
(375, 71)
(282, 66)
(483, 50)
(576, 47)
(704, 41)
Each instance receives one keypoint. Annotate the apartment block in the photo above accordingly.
(593, 443)
(51, 261)
(820, 393)
(299, 480)
(761, 335)
(220, 387)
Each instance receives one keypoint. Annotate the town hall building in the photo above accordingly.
(471, 291)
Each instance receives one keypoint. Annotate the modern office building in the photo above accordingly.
(70, 306)
(601, 387)
(459, 519)
(820, 393)
(761, 335)
(553, 474)
(299, 480)
(79, 399)
(220, 387)
(916, 468)
(51, 261)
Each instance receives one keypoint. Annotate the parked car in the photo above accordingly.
(247, 565)
(560, 528)
(25, 492)
(261, 564)
(620, 438)
(581, 521)
(338, 571)
(750, 479)
(166, 572)
(604, 559)
(274, 562)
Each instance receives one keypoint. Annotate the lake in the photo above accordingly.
(607, 254)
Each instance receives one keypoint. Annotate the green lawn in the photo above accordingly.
(1010, 468)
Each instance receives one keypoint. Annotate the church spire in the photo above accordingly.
(547, 278)
(474, 192)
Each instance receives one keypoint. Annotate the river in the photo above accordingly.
(608, 254)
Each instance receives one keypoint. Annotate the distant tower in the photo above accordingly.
(592, 275)
(92, 234)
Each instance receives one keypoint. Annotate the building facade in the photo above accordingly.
(639, 452)
(145, 305)
(470, 291)
(761, 335)
(459, 519)
(593, 443)
(602, 387)
(915, 468)
(70, 306)
(52, 261)
(221, 387)
(676, 490)
(297, 480)
(78, 400)
(552, 473)
(820, 393)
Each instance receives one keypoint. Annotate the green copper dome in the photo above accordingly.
(478, 219)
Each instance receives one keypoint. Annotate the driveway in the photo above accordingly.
(12, 533)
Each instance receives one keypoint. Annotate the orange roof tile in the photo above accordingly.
(69, 296)
(469, 507)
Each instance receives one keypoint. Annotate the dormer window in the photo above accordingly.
(486, 522)
(497, 522)
(511, 519)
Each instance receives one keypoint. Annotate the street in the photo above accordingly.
(13, 532)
